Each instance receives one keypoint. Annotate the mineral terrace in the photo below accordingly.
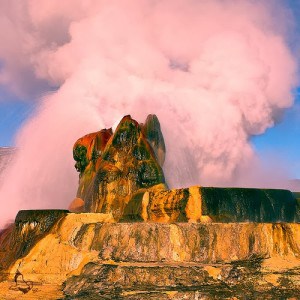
(126, 235)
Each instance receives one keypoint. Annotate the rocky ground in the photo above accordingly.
(40, 291)
(87, 256)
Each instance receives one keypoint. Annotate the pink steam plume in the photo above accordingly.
(215, 72)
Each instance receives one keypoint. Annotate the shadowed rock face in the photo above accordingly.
(152, 132)
(242, 280)
(202, 204)
(114, 166)
(86, 151)
(249, 205)
(30, 226)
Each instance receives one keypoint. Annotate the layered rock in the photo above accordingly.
(202, 204)
(99, 258)
(184, 261)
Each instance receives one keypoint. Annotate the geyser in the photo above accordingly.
(214, 72)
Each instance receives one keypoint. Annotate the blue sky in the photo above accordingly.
(13, 112)
(282, 142)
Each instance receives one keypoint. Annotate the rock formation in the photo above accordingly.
(130, 237)
(113, 167)
(30, 226)
(197, 204)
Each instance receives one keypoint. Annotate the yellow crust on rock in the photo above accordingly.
(193, 208)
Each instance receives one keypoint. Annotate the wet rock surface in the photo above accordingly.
(86, 152)
(89, 255)
(19, 238)
(218, 261)
(124, 162)
(219, 204)
(238, 280)
(249, 205)
(152, 132)
(183, 242)
(121, 173)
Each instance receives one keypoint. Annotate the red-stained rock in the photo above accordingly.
(77, 205)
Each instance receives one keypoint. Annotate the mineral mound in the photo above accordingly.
(113, 167)
(128, 236)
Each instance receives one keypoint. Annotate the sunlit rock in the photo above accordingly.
(77, 205)
(30, 226)
(202, 204)
(128, 236)
(123, 163)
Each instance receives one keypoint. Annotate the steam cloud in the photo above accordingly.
(215, 72)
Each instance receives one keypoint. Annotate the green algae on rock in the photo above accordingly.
(125, 163)
(152, 132)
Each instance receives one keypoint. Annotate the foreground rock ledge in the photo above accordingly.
(87, 256)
